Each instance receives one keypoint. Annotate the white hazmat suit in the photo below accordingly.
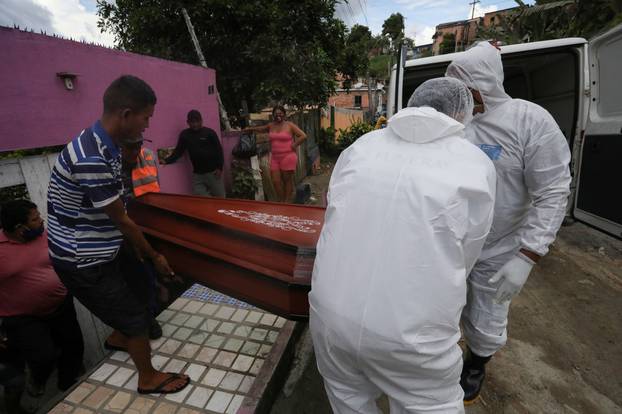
(408, 211)
(531, 157)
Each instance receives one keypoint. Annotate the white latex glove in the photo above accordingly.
(513, 276)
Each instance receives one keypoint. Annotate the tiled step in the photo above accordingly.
(221, 343)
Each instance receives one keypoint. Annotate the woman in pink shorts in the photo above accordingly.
(285, 138)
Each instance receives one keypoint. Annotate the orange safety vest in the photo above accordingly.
(145, 174)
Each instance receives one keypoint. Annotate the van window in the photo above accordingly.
(610, 88)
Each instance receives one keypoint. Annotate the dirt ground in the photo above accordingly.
(564, 353)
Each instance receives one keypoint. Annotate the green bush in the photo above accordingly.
(32, 151)
(243, 185)
(327, 143)
(15, 192)
(352, 133)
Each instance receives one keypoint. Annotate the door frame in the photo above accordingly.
(597, 126)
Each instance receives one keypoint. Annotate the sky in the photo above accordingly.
(77, 19)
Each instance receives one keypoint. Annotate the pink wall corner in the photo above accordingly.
(37, 111)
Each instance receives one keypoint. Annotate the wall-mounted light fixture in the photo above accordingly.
(68, 78)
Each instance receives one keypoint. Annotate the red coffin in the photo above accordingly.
(258, 252)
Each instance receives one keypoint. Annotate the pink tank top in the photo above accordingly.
(281, 142)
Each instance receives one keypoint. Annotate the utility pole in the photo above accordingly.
(473, 3)
(370, 99)
(197, 47)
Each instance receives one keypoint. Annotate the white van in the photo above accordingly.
(580, 84)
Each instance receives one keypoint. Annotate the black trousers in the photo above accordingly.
(11, 366)
(48, 342)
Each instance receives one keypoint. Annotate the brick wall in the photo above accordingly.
(346, 100)
(465, 34)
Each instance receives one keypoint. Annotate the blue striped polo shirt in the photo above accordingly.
(85, 178)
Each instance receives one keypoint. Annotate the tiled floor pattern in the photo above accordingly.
(200, 292)
(220, 347)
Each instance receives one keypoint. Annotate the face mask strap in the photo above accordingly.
(31, 234)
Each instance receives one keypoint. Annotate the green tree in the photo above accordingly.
(360, 35)
(393, 29)
(554, 19)
(355, 59)
(593, 16)
(280, 50)
(379, 67)
(408, 42)
(448, 45)
(380, 43)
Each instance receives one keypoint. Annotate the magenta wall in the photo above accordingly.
(37, 111)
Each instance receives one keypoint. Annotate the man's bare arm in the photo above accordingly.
(130, 230)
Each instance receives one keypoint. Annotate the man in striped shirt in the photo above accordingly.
(88, 224)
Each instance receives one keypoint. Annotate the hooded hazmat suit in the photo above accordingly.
(531, 158)
(409, 207)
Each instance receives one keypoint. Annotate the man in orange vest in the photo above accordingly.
(140, 176)
(140, 171)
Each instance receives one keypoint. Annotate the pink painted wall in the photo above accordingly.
(37, 111)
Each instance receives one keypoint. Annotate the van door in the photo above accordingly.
(599, 195)
(394, 103)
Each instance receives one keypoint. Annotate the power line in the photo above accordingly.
(363, 11)
(344, 14)
(347, 14)
(352, 15)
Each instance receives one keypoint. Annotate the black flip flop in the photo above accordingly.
(160, 388)
(114, 347)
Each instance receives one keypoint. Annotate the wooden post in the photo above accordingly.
(246, 114)
(259, 195)
(370, 103)
(36, 171)
(197, 47)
